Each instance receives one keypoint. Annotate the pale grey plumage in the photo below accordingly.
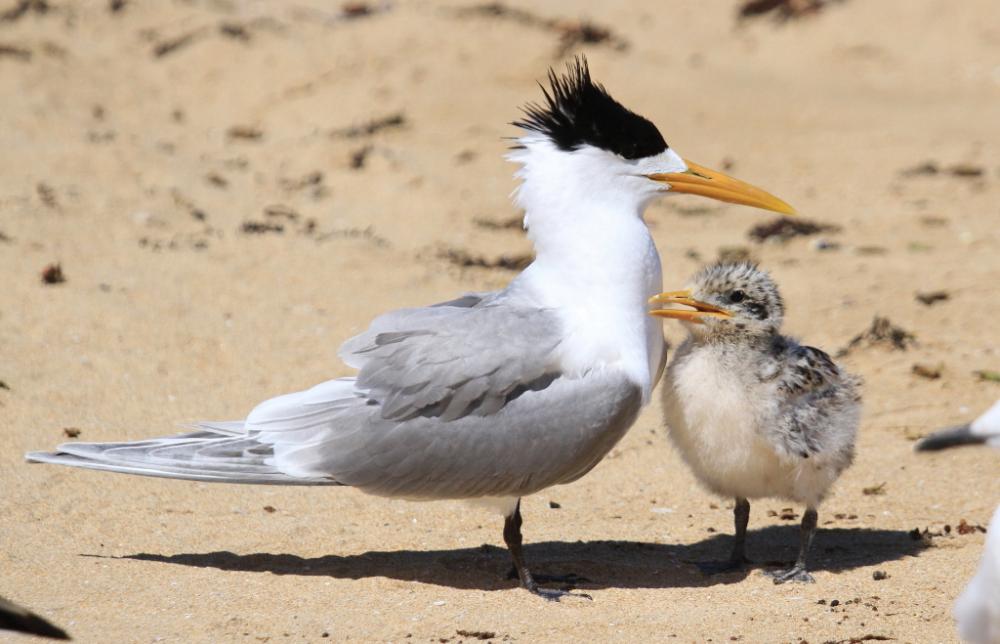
(453, 360)
(455, 401)
(196, 456)
(816, 416)
(804, 406)
(753, 412)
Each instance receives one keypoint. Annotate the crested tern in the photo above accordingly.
(977, 609)
(491, 396)
(753, 412)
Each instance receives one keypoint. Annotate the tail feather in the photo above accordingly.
(227, 427)
(209, 454)
(228, 451)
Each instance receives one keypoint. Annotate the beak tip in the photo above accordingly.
(788, 210)
(705, 182)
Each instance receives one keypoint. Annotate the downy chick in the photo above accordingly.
(753, 412)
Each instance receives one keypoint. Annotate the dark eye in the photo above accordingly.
(737, 296)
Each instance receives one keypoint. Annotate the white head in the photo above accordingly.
(582, 147)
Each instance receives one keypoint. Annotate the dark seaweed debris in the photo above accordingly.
(171, 45)
(571, 32)
(370, 127)
(932, 297)
(782, 10)
(23, 7)
(930, 372)
(245, 132)
(784, 228)
(260, 227)
(464, 259)
(882, 332)
(53, 274)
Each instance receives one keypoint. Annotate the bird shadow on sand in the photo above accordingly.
(604, 564)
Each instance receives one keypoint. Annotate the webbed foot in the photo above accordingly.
(797, 574)
(555, 594)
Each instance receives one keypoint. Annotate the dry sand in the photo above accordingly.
(124, 166)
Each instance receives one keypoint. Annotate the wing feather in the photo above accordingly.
(449, 360)
(542, 437)
(819, 404)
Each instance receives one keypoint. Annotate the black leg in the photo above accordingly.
(741, 518)
(799, 571)
(512, 537)
(737, 558)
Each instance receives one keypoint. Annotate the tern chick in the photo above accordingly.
(753, 412)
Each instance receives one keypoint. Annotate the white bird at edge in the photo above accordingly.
(977, 609)
(491, 396)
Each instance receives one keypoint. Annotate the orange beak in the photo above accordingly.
(699, 180)
(701, 310)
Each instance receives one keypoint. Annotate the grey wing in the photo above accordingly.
(540, 437)
(457, 401)
(452, 360)
(818, 406)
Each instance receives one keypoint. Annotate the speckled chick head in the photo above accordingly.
(746, 292)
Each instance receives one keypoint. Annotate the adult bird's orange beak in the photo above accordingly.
(701, 309)
(699, 180)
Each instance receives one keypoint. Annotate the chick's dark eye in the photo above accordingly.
(737, 296)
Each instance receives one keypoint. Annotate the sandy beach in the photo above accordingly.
(232, 188)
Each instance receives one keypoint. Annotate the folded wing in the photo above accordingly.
(459, 400)
(818, 407)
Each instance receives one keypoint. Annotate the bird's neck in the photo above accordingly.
(596, 265)
(602, 253)
(736, 340)
(584, 221)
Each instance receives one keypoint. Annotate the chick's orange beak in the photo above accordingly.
(701, 309)
(699, 180)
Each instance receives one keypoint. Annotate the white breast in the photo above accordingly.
(598, 281)
(713, 410)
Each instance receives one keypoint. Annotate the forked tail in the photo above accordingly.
(216, 452)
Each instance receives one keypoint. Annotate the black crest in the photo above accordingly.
(578, 111)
